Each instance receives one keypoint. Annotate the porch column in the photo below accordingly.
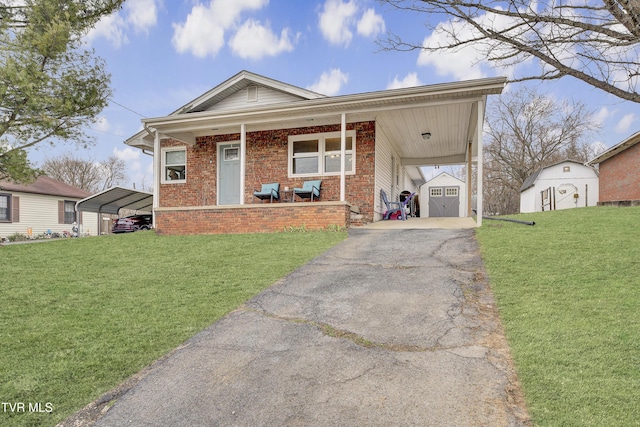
(343, 154)
(479, 126)
(469, 178)
(243, 159)
(157, 174)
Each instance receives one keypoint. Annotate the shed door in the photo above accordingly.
(229, 174)
(444, 201)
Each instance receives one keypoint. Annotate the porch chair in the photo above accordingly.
(393, 208)
(268, 191)
(309, 190)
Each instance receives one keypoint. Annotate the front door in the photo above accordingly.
(444, 201)
(229, 174)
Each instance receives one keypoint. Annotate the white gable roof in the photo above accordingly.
(228, 94)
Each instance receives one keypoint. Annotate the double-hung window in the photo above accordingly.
(174, 165)
(69, 212)
(5, 207)
(319, 154)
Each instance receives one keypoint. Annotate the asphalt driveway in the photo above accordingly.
(390, 327)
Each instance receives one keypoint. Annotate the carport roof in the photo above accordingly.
(115, 198)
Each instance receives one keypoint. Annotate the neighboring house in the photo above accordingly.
(211, 154)
(444, 196)
(45, 205)
(619, 169)
(564, 185)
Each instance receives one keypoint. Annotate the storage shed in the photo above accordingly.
(443, 196)
(564, 185)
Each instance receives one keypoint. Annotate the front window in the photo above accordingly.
(319, 154)
(174, 165)
(69, 212)
(5, 207)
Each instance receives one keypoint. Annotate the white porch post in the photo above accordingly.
(157, 174)
(343, 154)
(469, 185)
(480, 125)
(243, 159)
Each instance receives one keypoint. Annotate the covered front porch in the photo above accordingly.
(211, 154)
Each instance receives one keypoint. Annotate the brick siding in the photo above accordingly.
(620, 177)
(266, 161)
(252, 218)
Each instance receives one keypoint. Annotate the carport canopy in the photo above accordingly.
(115, 198)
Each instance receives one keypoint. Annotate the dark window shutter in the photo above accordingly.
(15, 207)
(60, 211)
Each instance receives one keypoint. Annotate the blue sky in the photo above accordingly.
(163, 53)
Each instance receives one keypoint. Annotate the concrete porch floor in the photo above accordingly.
(422, 223)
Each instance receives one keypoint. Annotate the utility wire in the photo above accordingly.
(127, 108)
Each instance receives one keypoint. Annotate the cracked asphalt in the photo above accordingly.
(388, 328)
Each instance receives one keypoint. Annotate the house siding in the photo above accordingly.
(40, 214)
(620, 177)
(240, 99)
(386, 165)
(266, 161)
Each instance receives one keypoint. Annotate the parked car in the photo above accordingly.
(132, 223)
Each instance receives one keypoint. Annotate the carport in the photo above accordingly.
(115, 198)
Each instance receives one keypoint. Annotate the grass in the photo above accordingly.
(568, 291)
(79, 316)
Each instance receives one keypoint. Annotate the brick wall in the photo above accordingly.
(252, 218)
(267, 161)
(620, 176)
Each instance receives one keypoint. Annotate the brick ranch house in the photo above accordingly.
(619, 168)
(211, 154)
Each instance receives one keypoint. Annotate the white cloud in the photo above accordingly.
(102, 124)
(127, 154)
(467, 62)
(409, 80)
(142, 14)
(371, 24)
(330, 82)
(602, 115)
(255, 41)
(202, 33)
(110, 27)
(625, 123)
(335, 19)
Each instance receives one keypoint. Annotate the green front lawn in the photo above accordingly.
(79, 316)
(568, 291)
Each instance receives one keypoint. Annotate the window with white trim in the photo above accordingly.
(5, 207)
(451, 192)
(435, 192)
(174, 165)
(319, 154)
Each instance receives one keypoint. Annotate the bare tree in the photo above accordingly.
(595, 41)
(526, 131)
(86, 174)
